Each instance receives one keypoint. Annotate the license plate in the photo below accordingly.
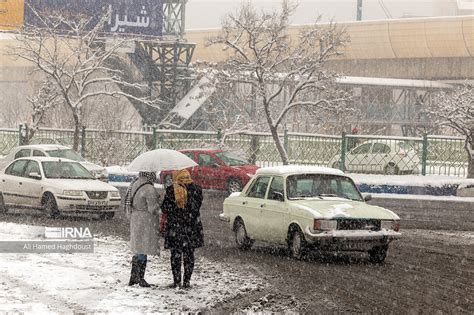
(96, 203)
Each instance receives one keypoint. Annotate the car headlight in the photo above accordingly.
(114, 194)
(73, 193)
(324, 225)
(390, 225)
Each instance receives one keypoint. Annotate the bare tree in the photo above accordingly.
(47, 98)
(455, 109)
(75, 56)
(286, 71)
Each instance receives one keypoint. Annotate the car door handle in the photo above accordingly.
(20, 183)
(244, 203)
(262, 205)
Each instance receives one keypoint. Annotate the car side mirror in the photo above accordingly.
(34, 175)
(278, 196)
(367, 197)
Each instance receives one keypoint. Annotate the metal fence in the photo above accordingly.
(428, 155)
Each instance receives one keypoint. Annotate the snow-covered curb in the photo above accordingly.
(97, 283)
(424, 198)
(410, 180)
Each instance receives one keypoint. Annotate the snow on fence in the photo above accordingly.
(436, 155)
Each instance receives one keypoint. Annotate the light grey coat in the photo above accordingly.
(145, 219)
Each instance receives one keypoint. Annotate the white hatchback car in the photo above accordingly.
(388, 157)
(309, 207)
(56, 185)
(53, 150)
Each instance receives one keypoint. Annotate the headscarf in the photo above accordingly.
(180, 179)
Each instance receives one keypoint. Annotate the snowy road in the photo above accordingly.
(430, 270)
(97, 283)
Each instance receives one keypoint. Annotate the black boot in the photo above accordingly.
(142, 268)
(188, 260)
(135, 274)
(176, 268)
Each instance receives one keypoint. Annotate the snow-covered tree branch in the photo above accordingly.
(286, 70)
(455, 109)
(78, 60)
(47, 98)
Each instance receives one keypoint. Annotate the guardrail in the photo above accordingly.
(427, 155)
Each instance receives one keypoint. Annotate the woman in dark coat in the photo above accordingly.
(184, 232)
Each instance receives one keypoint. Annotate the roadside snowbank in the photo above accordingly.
(97, 283)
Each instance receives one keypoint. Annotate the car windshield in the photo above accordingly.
(65, 154)
(66, 170)
(321, 186)
(231, 159)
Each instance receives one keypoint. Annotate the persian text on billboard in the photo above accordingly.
(144, 17)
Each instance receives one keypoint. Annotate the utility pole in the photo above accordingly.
(359, 10)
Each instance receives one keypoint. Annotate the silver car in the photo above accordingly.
(53, 150)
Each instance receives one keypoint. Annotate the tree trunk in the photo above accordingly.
(77, 131)
(469, 147)
(470, 173)
(279, 145)
(276, 138)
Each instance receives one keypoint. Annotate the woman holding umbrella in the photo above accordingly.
(142, 207)
(182, 209)
(184, 231)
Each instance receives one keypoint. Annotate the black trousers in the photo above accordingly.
(185, 254)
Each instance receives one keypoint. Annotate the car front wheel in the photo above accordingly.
(241, 238)
(378, 254)
(50, 206)
(297, 244)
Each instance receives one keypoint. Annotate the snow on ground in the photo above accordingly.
(423, 197)
(369, 179)
(97, 283)
(409, 180)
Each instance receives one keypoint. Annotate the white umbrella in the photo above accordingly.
(161, 160)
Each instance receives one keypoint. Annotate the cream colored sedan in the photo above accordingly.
(309, 208)
(55, 186)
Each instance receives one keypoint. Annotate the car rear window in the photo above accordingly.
(231, 159)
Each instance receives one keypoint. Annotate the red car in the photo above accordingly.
(217, 170)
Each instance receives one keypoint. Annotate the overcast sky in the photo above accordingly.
(208, 13)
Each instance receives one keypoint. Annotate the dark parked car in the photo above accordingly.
(217, 169)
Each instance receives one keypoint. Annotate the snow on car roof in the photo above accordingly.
(298, 169)
(45, 159)
(44, 146)
(213, 150)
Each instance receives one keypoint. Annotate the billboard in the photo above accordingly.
(141, 17)
(11, 14)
